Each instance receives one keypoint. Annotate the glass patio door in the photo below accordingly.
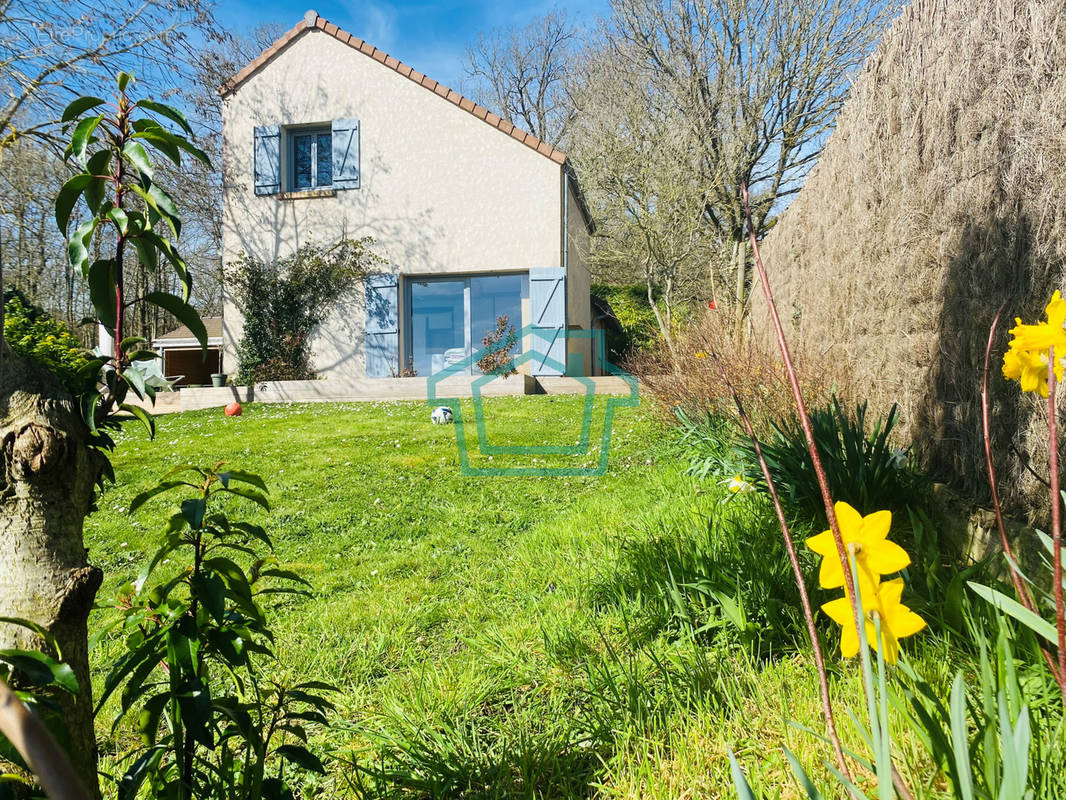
(449, 317)
(439, 332)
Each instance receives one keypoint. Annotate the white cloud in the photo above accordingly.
(373, 22)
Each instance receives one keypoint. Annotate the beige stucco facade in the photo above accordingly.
(441, 192)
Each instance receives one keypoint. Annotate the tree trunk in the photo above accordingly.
(664, 327)
(740, 259)
(47, 477)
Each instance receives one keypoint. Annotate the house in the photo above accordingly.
(327, 137)
(183, 361)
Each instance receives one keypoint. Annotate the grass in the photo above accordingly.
(506, 637)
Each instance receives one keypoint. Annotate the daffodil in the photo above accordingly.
(740, 486)
(1026, 360)
(1029, 368)
(1045, 334)
(883, 603)
(866, 538)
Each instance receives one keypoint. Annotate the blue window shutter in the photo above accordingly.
(382, 343)
(547, 300)
(345, 154)
(267, 158)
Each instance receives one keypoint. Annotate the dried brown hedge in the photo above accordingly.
(696, 385)
(939, 196)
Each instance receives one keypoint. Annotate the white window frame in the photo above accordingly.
(291, 135)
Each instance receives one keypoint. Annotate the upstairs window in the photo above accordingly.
(311, 159)
(315, 157)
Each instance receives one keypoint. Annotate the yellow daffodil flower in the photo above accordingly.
(740, 486)
(1029, 368)
(1045, 334)
(897, 621)
(1026, 360)
(867, 539)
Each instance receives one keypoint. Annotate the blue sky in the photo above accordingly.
(430, 36)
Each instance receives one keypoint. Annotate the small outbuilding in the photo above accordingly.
(183, 361)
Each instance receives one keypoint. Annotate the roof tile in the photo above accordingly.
(312, 21)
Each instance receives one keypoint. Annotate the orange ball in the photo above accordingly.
(233, 410)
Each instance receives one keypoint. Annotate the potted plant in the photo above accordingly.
(218, 379)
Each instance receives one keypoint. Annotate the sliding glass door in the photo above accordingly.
(438, 310)
(449, 317)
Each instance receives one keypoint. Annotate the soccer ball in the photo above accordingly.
(442, 415)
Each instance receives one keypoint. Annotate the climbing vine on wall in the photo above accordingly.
(283, 302)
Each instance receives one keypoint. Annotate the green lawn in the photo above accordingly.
(502, 636)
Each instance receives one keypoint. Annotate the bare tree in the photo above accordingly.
(49, 51)
(201, 186)
(638, 159)
(521, 74)
(758, 82)
(74, 47)
(34, 251)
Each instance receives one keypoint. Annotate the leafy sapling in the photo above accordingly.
(216, 717)
(112, 150)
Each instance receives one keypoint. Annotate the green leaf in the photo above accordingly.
(1029, 619)
(960, 738)
(243, 477)
(159, 137)
(740, 781)
(136, 154)
(123, 80)
(802, 777)
(97, 166)
(148, 719)
(193, 150)
(143, 416)
(89, 402)
(78, 246)
(232, 575)
(120, 220)
(212, 593)
(79, 106)
(161, 488)
(183, 312)
(169, 112)
(193, 510)
(166, 206)
(256, 497)
(301, 757)
(147, 763)
(37, 628)
(41, 670)
(82, 137)
(321, 686)
(195, 702)
(285, 575)
(180, 268)
(68, 198)
(102, 283)
(135, 378)
(146, 253)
